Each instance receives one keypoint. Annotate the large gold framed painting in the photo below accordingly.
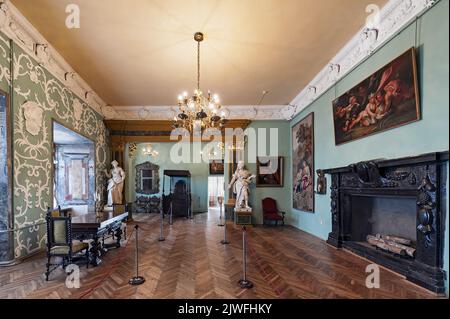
(303, 164)
(387, 99)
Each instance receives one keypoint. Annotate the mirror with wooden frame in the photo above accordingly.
(147, 178)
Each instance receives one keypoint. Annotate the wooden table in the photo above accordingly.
(93, 226)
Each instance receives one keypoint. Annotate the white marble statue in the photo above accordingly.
(115, 184)
(240, 183)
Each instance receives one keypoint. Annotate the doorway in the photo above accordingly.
(216, 188)
(74, 170)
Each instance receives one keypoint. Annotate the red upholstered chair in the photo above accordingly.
(270, 211)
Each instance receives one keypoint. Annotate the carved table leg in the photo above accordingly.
(95, 252)
(118, 236)
(103, 250)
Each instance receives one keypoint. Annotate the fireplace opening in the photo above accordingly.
(385, 223)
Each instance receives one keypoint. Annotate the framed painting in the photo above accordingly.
(387, 99)
(216, 167)
(269, 171)
(303, 164)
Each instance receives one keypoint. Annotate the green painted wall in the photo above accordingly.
(32, 150)
(199, 173)
(257, 194)
(430, 35)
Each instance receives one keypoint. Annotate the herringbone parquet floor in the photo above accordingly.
(283, 262)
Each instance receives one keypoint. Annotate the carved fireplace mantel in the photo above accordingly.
(421, 179)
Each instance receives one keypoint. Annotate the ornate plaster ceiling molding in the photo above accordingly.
(260, 112)
(24, 34)
(395, 15)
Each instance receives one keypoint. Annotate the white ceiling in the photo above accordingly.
(142, 52)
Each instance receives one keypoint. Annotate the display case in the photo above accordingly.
(178, 200)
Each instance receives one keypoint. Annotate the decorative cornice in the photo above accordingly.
(14, 25)
(260, 112)
(394, 16)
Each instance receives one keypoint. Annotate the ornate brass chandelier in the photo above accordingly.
(149, 151)
(199, 112)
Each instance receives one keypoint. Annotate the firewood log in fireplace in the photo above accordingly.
(381, 243)
(410, 251)
(391, 246)
(398, 240)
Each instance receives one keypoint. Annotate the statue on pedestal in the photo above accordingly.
(240, 183)
(115, 184)
(321, 182)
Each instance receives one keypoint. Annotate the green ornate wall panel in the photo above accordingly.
(38, 99)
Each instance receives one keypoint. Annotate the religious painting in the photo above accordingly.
(216, 167)
(269, 171)
(303, 164)
(387, 99)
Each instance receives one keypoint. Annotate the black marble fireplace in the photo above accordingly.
(402, 197)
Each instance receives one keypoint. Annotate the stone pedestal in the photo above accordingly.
(243, 216)
(229, 209)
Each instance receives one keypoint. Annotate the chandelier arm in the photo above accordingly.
(198, 65)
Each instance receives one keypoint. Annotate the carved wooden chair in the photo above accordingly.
(271, 213)
(59, 241)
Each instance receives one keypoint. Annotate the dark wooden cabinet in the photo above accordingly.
(179, 197)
